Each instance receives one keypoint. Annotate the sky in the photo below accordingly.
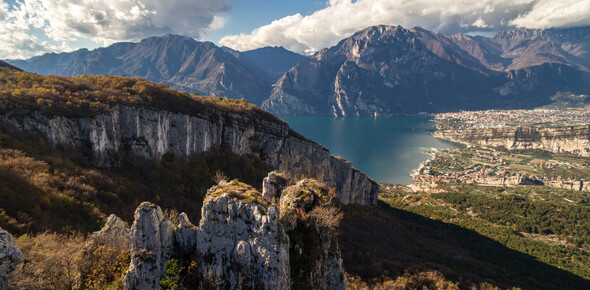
(34, 27)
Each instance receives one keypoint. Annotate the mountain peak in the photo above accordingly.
(380, 30)
(169, 38)
(389, 70)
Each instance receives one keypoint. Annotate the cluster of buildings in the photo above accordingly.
(505, 118)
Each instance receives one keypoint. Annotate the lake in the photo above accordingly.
(385, 148)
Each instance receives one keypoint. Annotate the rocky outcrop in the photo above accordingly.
(507, 181)
(580, 185)
(570, 139)
(186, 235)
(242, 245)
(115, 231)
(243, 240)
(150, 133)
(152, 245)
(272, 186)
(10, 257)
(311, 219)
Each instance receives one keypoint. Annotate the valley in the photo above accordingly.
(160, 164)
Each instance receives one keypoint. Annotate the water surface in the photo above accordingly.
(385, 148)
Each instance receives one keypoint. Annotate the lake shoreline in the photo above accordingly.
(388, 149)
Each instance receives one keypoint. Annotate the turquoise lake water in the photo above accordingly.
(385, 148)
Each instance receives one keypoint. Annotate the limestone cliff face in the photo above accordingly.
(10, 257)
(148, 133)
(242, 246)
(152, 244)
(571, 139)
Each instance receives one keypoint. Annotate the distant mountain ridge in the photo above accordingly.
(270, 62)
(381, 70)
(175, 60)
(388, 70)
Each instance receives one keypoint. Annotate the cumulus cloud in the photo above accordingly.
(341, 18)
(102, 21)
(551, 13)
(15, 37)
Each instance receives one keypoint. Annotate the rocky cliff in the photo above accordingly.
(571, 139)
(10, 257)
(141, 132)
(243, 241)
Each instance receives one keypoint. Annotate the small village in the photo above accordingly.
(499, 168)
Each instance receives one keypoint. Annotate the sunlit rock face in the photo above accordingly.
(242, 246)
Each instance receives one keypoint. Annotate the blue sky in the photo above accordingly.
(34, 27)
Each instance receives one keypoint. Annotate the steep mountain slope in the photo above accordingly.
(175, 60)
(270, 62)
(6, 65)
(384, 70)
(529, 47)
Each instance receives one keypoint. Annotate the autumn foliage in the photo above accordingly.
(82, 96)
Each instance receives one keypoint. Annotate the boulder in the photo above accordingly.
(115, 232)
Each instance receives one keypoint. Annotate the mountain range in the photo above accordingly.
(179, 61)
(385, 70)
(381, 70)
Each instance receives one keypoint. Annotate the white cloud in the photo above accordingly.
(480, 23)
(217, 23)
(62, 22)
(341, 18)
(551, 13)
